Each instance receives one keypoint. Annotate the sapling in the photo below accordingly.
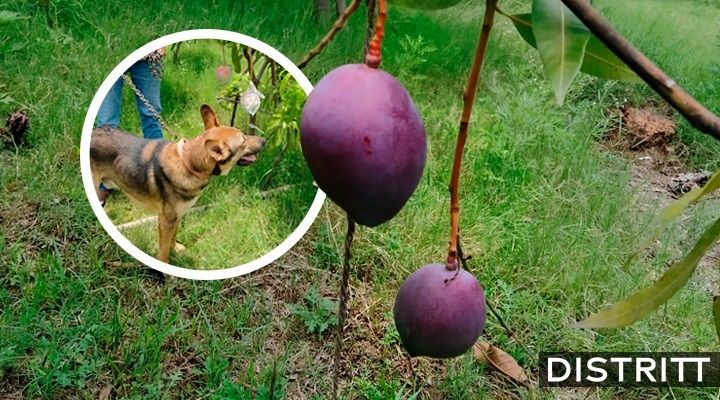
(440, 309)
(364, 142)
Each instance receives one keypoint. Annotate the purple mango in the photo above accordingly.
(364, 142)
(223, 74)
(439, 314)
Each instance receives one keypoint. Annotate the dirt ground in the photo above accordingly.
(647, 136)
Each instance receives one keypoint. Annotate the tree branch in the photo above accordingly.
(699, 116)
(330, 35)
(468, 100)
(261, 72)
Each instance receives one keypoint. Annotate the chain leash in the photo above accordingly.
(149, 106)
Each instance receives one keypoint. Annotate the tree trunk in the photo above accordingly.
(340, 7)
(322, 10)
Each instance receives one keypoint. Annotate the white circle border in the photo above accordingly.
(97, 208)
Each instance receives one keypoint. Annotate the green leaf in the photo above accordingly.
(523, 24)
(599, 61)
(561, 40)
(716, 314)
(631, 309)
(674, 209)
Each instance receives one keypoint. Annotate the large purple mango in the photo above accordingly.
(364, 142)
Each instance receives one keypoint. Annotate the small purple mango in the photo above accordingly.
(439, 314)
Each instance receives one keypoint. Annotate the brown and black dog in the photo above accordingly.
(168, 177)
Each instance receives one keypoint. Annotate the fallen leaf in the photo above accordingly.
(105, 393)
(502, 361)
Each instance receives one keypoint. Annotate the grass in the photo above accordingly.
(547, 214)
(243, 220)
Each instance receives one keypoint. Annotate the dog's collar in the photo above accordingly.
(187, 166)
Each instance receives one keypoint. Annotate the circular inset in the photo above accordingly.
(85, 162)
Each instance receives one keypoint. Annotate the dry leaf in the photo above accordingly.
(105, 393)
(502, 361)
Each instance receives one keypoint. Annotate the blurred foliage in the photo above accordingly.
(280, 112)
(284, 123)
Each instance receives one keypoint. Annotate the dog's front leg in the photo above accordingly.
(177, 246)
(168, 224)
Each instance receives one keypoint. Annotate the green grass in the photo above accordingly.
(242, 220)
(547, 215)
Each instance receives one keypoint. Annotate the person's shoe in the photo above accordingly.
(103, 194)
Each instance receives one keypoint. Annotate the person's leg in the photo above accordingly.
(109, 115)
(149, 86)
(109, 112)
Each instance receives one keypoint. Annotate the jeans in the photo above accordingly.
(149, 86)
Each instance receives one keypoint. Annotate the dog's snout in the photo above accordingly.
(262, 141)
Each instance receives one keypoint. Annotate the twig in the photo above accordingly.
(225, 98)
(699, 116)
(234, 110)
(468, 100)
(249, 54)
(330, 35)
(141, 221)
(261, 71)
(251, 124)
(255, 61)
(342, 308)
(153, 218)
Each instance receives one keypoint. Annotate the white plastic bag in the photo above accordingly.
(251, 99)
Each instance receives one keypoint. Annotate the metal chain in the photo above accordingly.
(149, 106)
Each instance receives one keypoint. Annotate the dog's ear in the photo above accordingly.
(208, 117)
(218, 150)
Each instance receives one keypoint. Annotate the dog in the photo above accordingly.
(168, 177)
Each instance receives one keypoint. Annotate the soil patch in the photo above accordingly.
(646, 135)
